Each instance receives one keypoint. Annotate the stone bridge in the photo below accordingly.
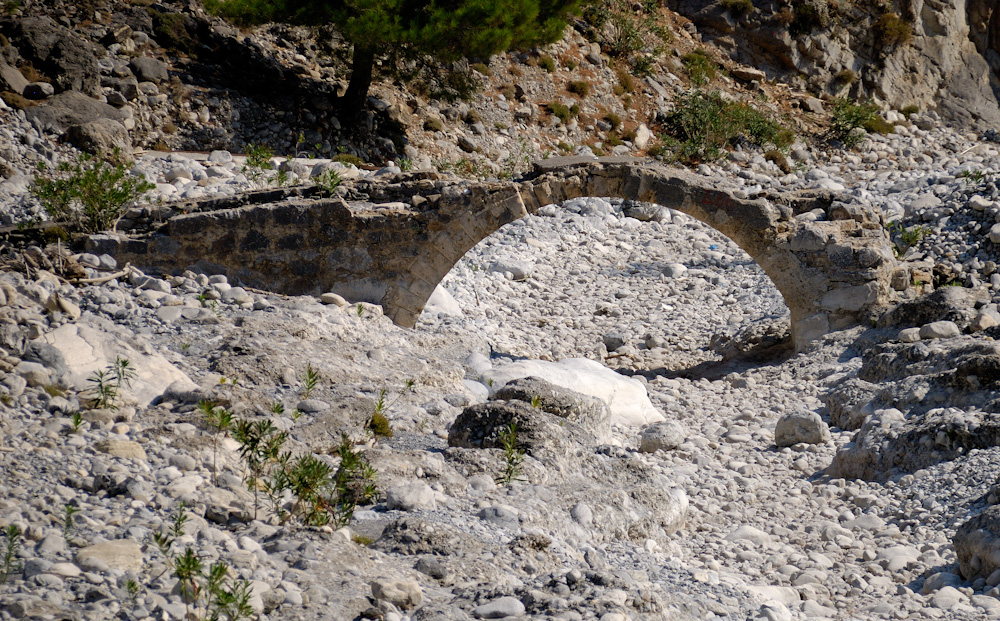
(391, 242)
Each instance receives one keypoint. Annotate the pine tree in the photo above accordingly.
(445, 29)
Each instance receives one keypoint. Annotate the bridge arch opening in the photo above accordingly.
(831, 262)
(585, 279)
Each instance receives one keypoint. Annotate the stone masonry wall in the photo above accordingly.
(392, 243)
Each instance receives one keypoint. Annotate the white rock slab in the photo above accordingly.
(625, 397)
(87, 349)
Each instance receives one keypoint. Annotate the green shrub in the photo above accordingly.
(845, 77)
(257, 164)
(579, 87)
(379, 426)
(807, 16)
(910, 110)
(848, 117)
(91, 193)
(891, 30)
(643, 65)
(433, 124)
(700, 67)
(613, 119)
(703, 124)
(626, 81)
(11, 564)
(547, 63)
(779, 159)
(560, 111)
(482, 68)
(737, 7)
(513, 456)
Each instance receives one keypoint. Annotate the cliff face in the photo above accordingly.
(937, 54)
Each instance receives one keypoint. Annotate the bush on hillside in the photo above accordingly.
(703, 124)
(848, 117)
(700, 67)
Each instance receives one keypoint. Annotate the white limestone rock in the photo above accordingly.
(625, 397)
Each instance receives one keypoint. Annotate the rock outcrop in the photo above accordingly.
(937, 55)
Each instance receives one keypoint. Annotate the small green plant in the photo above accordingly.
(132, 590)
(845, 77)
(91, 193)
(258, 163)
(807, 16)
(260, 449)
(378, 424)
(891, 30)
(68, 523)
(579, 87)
(405, 164)
(220, 421)
(6, 399)
(354, 483)
(513, 455)
(11, 564)
(328, 181)
(703, 124)
(643, 65)
(975, 176)
(625, 80)
(11, 6)
(482, 68)
(547, 63)
(277, 408)
(76, 420)
(700, 67)
(613, 119)
(360, 309)
(848, 118)
(361, 540)
(910, 110)
(109, 382)
(309, 380)
(560, 111)
(210, 595)
(904, 238)
(536, 402)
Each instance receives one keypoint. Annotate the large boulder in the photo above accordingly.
(889, 443)
(85, 349)
(957, 304)
(148, 69)
(977, 544)
(56, 51)
(72, 108)
(846, 402)
(625, 397)
(102, 137)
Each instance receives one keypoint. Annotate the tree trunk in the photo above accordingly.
(352, 102)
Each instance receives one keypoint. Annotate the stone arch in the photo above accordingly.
(391, 242)
(831, 272)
